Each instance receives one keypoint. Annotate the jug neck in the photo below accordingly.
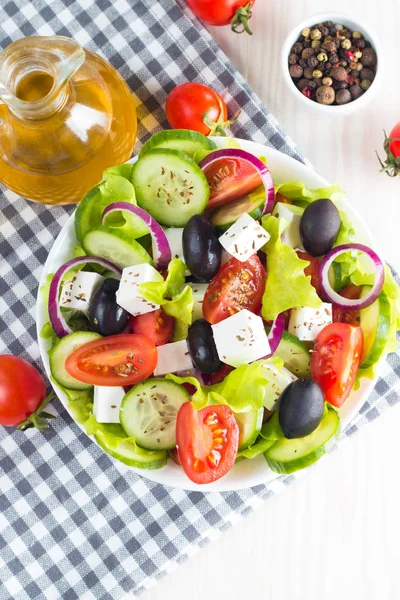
(51, 60)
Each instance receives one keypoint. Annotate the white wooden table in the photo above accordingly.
(335, 533)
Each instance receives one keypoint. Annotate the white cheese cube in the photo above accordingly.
(244, 238)
(128, 295)
(306, 322)
(199, 289)
(77, 292)
(241, 339)
(278, 380)
(106, 403)
(292, 214)
(173, 357)
(174, 236)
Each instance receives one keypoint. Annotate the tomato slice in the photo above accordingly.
(157, 325)
(236, 286)
(335, 360)
(220, 375)
(207, 441)
(230, 179)
(115, 360)
(312, 268)
(340, 315)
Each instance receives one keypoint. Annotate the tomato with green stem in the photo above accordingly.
(391, 166)
(237, 13)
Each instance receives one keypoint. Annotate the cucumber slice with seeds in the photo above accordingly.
(170, 186)
(250, 424)
(59, 354)
(149, 410)
(184, 140)
(375, 323)
(295, 354)
(115, 246)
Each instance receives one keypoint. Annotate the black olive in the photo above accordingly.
(319, 227)
(301, 407)
(105, 315)
(202, 348)
(201, 248)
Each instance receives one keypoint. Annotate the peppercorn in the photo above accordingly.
(360, 66)
(369, 57)
(322, 67)
(339, 73)
(296, 71)
(307, 52)
(334, 59)
(312, 62)
(306, 92)
(317, 74)
(306, 32)
(308, 71)
(338, 27)
(325, 95)
(356, 91)
(343, 97)
(329, 23)
(343, 63)
(340, 85)
(347, 34)
(316, 34)
(357, 35)
(322, 57)
(324, 30)
(297, 48)
(312, 85)
(346, 44)
(302, 83)
(350, 55)
(328, 67)
(366, 73)
(315, 44)
(303, 63)
(357, 54)
(350, 79)
(360, 44)
(354, 72)
(320, 27)
(327, 81)
(318, 82)
(353, 65)
(329, 46)
(307, 43)
(365, 84)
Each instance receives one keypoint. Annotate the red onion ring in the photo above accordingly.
(333, 296)
(275, 335)
(161, 248)
(58, 323)
(258, 165)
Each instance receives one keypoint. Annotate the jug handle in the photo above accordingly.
(71, 55)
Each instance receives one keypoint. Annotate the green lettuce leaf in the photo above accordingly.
(201, 397)
(287, 286)
(80, 402)
(296, 192)
(270, 433)
(124, 170)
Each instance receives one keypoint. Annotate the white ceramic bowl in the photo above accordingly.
(247, 473)
(355, 25)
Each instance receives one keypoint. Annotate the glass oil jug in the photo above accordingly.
(65, 116)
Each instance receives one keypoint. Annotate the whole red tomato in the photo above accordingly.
(22, 389)
(392, 148)
(223, 12)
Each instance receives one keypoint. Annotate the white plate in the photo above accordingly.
(251, 472)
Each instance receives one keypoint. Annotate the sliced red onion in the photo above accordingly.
(58, 323)
(258, 165)
(275, 334)
(161, 248)
(336, 298)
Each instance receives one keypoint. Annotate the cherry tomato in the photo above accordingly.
(312, 268)
(220, 375)
(222, 12)
(340, 315)
(157, 325)
(207, 441)
(22, 389)
(392, 149)
(189, 104)
(115, 360)
(230, 179)
(236, 286)
(335, 360)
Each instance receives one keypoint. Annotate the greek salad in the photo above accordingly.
(209, 316)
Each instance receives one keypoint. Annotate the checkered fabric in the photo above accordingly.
(74, 524)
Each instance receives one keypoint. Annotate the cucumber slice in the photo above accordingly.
(170, 186)
(288, 456)
(252, 204)
(250, 424)
(295, 354)
(375, 323)
(148, 413)
(128, 453)
(59, 354)
(115, 246)
(184, 140)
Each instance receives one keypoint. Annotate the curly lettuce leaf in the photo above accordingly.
(296, 192)
(201, 396)
(124, 170)
(287, 286)
(80, 402)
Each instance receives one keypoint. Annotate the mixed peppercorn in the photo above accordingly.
(331, 64)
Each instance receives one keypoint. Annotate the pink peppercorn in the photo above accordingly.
(306, 91)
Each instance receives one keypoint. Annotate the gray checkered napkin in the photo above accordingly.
(73, 523)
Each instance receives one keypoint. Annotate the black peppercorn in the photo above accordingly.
(293, 58)
(366, 73)
(369, 57)
(312, 85)
(359, 44)
(296, 71)
(332, 30)
(340, 85)
(334, 59)
(329, 24)
(302, 83)
(343, 97)
(312, 61)
(356, 91)
(307, 52)
(329, 46)
(308, 72)
(307, 43)
(297, 48)
(328, 67)
(303, 63)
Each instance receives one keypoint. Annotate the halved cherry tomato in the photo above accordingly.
(312, 268)
(190, 104)
(229, 179)
(335, 360)
(236, 286)
(220, 375)
(122, 359)
(207, 441)
(157, 325)
(340, 315)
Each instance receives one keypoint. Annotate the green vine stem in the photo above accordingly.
(392, 164)
(240, 21)
(38, 418)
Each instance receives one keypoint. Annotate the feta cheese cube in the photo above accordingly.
(199, 289)
(244, 238)
(278, 380)
(78, 291)
(173, 357)
(241, 339)
(106, 403)
(306, 322)
(174, 236)
(291, 235)
(128, 295)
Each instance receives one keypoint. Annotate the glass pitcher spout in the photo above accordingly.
(47, 63)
